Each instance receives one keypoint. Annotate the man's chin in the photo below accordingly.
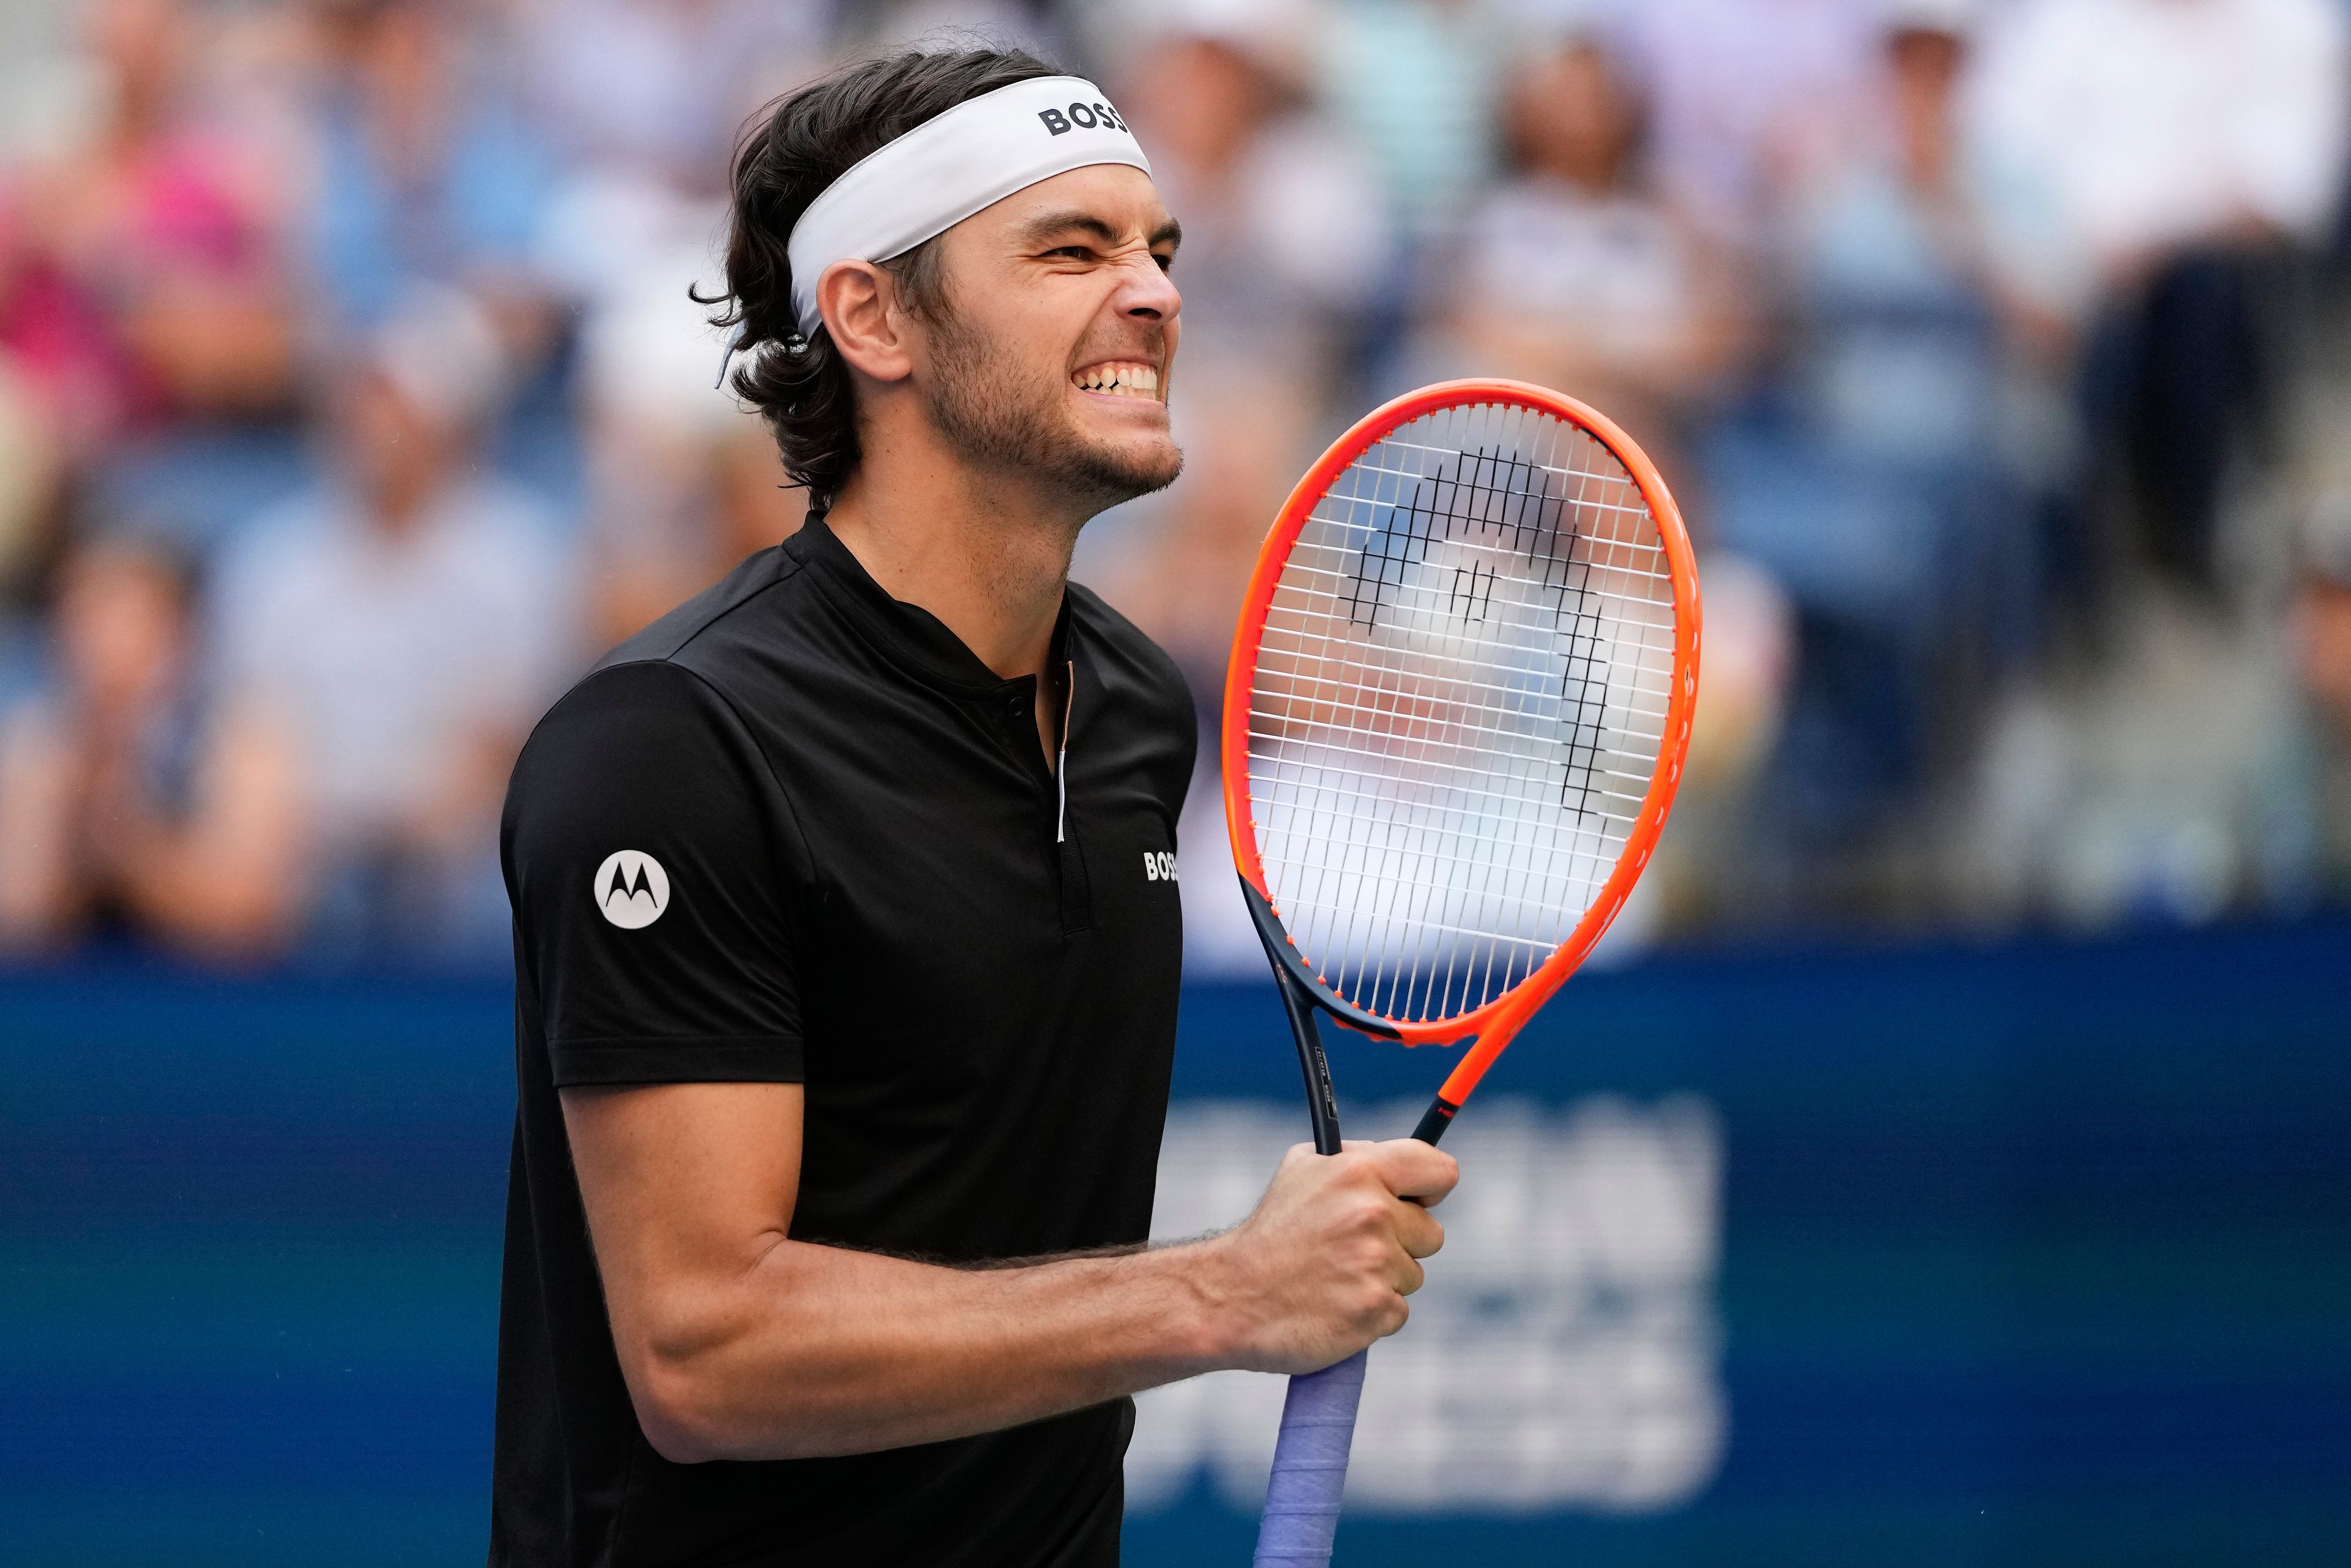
(1095, 457)
(1120, 471)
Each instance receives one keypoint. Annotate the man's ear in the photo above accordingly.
(860, 304)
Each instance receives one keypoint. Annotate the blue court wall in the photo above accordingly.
(2026, 1253)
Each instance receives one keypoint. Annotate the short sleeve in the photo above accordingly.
(651, 859)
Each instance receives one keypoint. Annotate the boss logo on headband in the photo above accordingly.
(1085, 115)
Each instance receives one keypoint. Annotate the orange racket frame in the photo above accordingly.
(1496, 1022)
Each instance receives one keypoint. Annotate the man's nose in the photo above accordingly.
(1145, 290)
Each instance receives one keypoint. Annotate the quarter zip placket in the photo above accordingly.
(1076, 891)
(1062, 760)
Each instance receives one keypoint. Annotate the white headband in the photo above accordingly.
(949, 167)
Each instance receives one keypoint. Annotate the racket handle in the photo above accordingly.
(1309, 1467)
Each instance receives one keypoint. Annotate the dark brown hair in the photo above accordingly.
(791, 150)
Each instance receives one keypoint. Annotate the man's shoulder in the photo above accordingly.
(643, 696)
(1149, 704)
(1132, 656)
(742, 592)
(632, 736)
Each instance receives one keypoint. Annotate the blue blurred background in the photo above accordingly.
(1946, 1160)
(2025, 1253)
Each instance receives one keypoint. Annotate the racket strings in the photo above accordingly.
(1459, 700)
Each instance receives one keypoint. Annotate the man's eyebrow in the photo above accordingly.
(1038, 230)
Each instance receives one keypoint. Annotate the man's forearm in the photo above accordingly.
(738, 1343)
(818, 1350)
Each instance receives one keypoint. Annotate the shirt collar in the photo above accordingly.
(908, 634)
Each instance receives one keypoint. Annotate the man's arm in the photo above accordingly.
(740, 1343)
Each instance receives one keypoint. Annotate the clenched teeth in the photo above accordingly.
(1120, 379)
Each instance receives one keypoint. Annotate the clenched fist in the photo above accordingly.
(1323, 1265)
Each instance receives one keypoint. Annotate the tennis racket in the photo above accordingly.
(1460, 697)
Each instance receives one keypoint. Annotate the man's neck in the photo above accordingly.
(986, 554)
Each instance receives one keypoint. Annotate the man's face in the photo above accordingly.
(1051, 352)
(395, 452)
(122, 623)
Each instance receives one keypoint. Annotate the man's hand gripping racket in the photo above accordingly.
(1460, 698)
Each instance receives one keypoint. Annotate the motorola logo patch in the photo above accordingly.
(632, 888)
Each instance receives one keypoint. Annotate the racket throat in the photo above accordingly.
(1321, 1102)
(1291, 967)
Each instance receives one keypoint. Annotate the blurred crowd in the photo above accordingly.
(351, 400)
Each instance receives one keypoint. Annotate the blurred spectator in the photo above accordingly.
(676, 508)
(1576, 273)
(1043, 27)
(682, 482)
(1897, 353)
(423, 174)
(1873, 485)
(1994, 245)
(646, 96)
(400, 628)
(1911, 348)
(1700, 873)
(1284, 236)
(1736, 83)
(2319, 625)
(139, 274)
(2181, 141)
(2168, 125)
(659, 87)
(126, 807)
(29, 474)
(1414, 84)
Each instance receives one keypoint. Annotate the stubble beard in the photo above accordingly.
(995, 416)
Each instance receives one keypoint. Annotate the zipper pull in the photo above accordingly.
(1061, 765)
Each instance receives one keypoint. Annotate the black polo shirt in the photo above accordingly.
(795, 832)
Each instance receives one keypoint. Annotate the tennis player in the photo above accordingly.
(845, 915)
